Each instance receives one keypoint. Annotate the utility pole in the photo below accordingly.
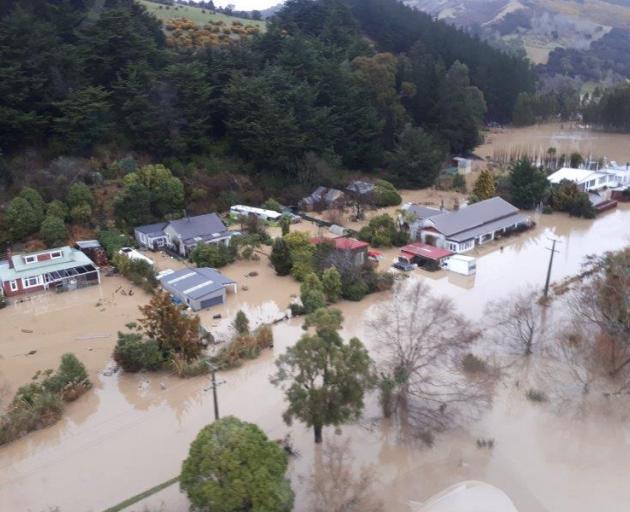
(553, 251)
(214, 385)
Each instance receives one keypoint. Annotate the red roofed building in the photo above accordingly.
(352, 250)
(425, 255)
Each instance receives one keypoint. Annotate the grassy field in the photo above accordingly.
(194, 14)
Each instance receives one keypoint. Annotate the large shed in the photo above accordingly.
(199, 288)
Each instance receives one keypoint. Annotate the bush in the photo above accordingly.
(354, 289)
(233, 467)
(473, 364)
(81, 214)
(57, 209)
(53, 231)
(385, 194)
(272, 204)
(536, 396)
(187, 369)
(133, 354)
(213, 255)
(281, 257)
(40, 403)
(139, 272)
(241, 323)
(331, 284)
(112, 241)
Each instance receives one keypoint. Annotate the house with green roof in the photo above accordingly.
(62, 268)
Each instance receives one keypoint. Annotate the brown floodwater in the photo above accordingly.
(132, 432)
(565, 137)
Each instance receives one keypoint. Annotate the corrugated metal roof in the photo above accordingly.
(206, 226)
(71, 258)
(426, 251)
(424, 212)
(195, 283)
(473, 216)
(151, 229)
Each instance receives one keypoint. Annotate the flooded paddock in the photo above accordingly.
(131, 432)
(565, 137)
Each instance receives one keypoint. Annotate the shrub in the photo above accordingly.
(81, 214)
(354, 289)
(331, 284)
(133, 354)
(536, 396)
(139, 272)
(213, 255)
(40, 403)
(241, 323)
(312, 293)
(385, 194)
(272, 204)
(53, 231)
(187, 369)
(473, 364)
(281, 257)
(57, 209)
(112, 241)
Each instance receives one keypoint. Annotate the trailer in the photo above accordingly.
(465, 265)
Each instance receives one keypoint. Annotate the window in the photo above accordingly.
(55, 255)
(452, 247)
(13, 285)
(30, 282)
(30, 259)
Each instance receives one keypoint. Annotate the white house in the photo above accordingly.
(462, 230)
(585, 179)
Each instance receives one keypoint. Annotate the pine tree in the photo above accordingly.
(485, 187)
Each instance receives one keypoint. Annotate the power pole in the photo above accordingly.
(214, 385)
(553, 251)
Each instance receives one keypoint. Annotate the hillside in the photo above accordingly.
(193, 27)
(534, 26)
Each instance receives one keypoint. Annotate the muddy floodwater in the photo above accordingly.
(131, 432)
(565, 137)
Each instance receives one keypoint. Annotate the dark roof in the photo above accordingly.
(206, 227)
(195, 283)
(474, 216)
(424, 212)
(151, 229)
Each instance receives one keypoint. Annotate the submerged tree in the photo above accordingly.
(233, 467)
(170, 327)
(335, 486)
(324, 378)
(422, 341)
(516, 323)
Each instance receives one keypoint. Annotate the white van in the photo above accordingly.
(465, 265)
(132, 254)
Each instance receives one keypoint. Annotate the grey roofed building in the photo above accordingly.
(423, 212)
(461, 230)
(152, 229)
(360, 188)
(183, 235)
(475, 216)
(198, 288)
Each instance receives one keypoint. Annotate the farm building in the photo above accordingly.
(63, 268)
(183, 235)
(462, 230)
(199, 288)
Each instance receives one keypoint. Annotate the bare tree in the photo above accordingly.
(516, 324)
(601, 307)
(334, 485)
(422, 341)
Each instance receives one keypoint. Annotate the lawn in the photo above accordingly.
(194, 14)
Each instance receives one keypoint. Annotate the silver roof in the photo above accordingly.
(195, 283)
(473, 216)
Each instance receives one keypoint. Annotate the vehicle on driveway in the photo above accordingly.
(403, 264)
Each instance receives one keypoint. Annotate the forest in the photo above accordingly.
(332, 86)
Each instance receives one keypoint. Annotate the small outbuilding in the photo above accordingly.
(426, 256)
(199, 288)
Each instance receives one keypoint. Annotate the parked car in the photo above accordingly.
(404, 264)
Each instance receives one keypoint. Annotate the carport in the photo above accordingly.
(426, 256)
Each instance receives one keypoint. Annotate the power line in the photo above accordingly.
(554, 241)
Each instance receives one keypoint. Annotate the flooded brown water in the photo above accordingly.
(565, 137)
(132, 431)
